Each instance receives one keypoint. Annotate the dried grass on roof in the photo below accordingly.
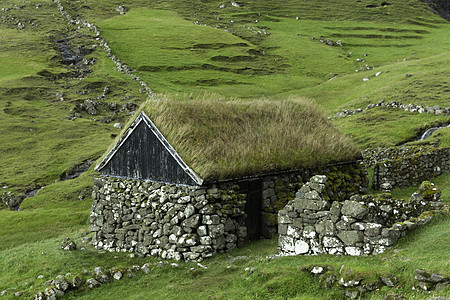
(229, 138)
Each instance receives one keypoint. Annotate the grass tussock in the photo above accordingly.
(222, 138)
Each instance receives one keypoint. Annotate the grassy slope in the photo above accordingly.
(36, 135)
(275, 279)
(290, 66)
(231, 61)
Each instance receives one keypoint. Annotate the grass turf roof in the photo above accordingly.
(222, 139)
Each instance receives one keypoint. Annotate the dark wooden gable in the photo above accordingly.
(144, 153)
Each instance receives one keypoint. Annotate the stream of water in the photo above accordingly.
(430, 131)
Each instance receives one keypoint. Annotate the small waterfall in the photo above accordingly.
(430, 131)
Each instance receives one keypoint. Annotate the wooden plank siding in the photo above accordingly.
(144, 153)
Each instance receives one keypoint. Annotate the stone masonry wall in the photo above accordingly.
(362, 225)
(406, 166)
(344, 180)
(166, 220)
(193, 223)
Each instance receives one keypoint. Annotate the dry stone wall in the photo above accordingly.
(344, 180)
(406, 166)
(362, 225)
(192, 223)
(166, 220)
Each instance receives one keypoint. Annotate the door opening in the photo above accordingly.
(253, 207)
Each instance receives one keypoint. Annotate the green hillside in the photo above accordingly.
(61, 95)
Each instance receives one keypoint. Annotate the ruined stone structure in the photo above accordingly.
(406, 166)
(312, 223)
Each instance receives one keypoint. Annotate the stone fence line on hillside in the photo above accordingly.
(434, 110)
(120, 66)
(362, 225)
(405, 166)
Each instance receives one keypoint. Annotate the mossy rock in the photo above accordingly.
(270, 219)
(429, 191)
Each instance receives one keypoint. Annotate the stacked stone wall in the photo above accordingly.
(192, 223)
(362, 225)
(344, 180)
(406, 166)
(166, 220)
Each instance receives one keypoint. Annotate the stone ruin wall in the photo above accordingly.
(166, 220)
(345, 180)
(406, 166)
(362, 225)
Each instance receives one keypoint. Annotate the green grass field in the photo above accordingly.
(264, 49)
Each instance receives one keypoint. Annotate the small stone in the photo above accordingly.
(354, 209)
(301, 247)
(92, 283)
(118, 275)
(421, 275)
(38, 296)
(68, 245)
(351, 294)
(61, 283)
(386, 186)
(437, 277)
(146, 268)
(426, 286)
(118, 125)
(98, 271)
(354, 251)
(76, 282)
(387, 281)
(350, 237)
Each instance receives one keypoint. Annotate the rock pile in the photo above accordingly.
(430, 282)
(64, 284)
(362, 225)
(344, 180)
(355, 285)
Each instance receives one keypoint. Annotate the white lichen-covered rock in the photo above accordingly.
(354, 209)
(92, 283)
(331, 242)
(301, 247)
(363, 225)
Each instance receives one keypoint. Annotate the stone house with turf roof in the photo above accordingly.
(189, 178)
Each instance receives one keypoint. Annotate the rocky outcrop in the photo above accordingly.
(361, 225)
(441, 7)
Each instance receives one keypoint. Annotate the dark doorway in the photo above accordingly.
(253, 189)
